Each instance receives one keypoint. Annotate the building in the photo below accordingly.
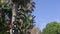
(35, 30)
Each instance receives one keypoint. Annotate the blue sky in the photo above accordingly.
(46, 11)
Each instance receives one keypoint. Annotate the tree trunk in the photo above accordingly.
(14, 14)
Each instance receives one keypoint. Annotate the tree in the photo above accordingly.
(16, 16)
(5, 11)
(52, 28)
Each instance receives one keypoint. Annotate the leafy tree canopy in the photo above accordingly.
(52, 28)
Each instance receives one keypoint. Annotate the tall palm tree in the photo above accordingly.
(24, 5)
(19, 15)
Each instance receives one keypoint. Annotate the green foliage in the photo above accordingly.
(24, 19)
(52, 28)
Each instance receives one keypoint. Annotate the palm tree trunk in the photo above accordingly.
(14, 14)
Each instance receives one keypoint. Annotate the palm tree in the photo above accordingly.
(19, 15)
(25, 6)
